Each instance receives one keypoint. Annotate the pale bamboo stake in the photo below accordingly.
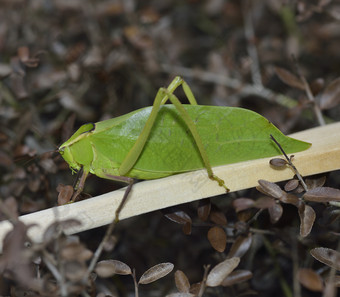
(147, 196)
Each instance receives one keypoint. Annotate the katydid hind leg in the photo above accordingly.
(161, 98)
(192, 127)
(137, 148)
(176, 82)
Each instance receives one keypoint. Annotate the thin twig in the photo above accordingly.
(310, 96)
(57, 275)
(291, 164)
(135, 282)
(107, 235)
(204, 280)
(252, 50)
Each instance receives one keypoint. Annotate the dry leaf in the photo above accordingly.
(217, 238)
(307, 218)
(327, 256)
(182, 282)
(313, 183)
(290, 199)
(236, 277)
(203, 209)
(108, 268)
(278, 162)
(275, 213)
(291, 185)
(221, 271)
(322, 194)
(74, 270)
(179, 217)
(331, 95)
(65, 194)
(56, 228)
(310, 279)
(180, 295)
(317, 85)
(156, 272)
(264, 203)
(270, 189)
(195, 288)
(289, 78)
(75, 251)
(240, 246)
(218, 217)
(187, 228)
(8, 209)
(243, 204)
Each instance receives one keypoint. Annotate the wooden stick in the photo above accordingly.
(147, 196)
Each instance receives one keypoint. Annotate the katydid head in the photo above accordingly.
(77, 151)
(66, 153)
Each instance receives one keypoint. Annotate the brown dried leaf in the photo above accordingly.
(264, 203)
(237, 277)
(179, 217)
(55, 229)
(187, 228)
(242, 204)
(65, 194)
(275, 213)
(203, 209)
(291, 185)
(310, 279)
(180, 295)
(218, 217)
(34, 182)
(317, 85)
(327, 256)
(278, 162)
(16, 259)
(331, 95)
(156, 272)
(322, 194)
(289, 78)
(74, 270)
(182, 282)
(195, 288)
(221, 271)
(270, 189)
(290, 199)
(307, 218)
(240, 246)
(75, 251)
(217, 238)
(108, 268)
(313, 183)
(8, 209)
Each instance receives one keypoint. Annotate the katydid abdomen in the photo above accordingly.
(229, 135)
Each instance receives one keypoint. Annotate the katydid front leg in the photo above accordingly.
(81, 182)
(80, 185)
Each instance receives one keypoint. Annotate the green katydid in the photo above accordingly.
(167, 139)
